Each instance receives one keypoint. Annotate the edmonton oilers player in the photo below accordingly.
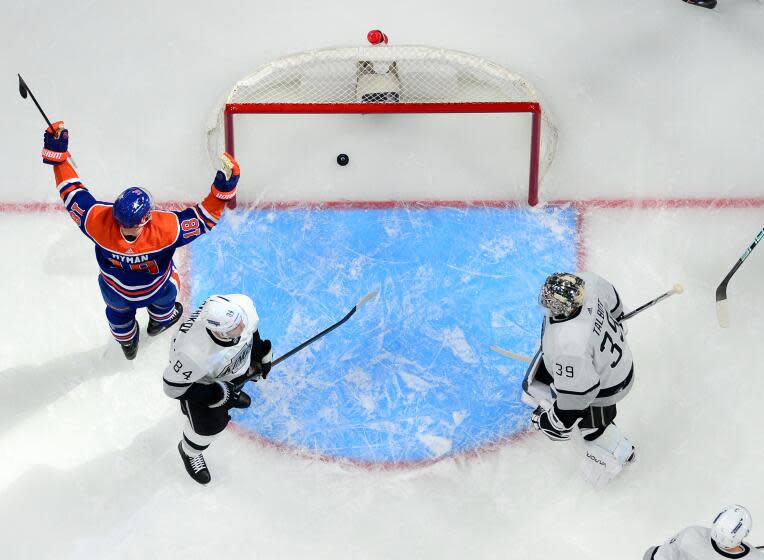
(134, 242)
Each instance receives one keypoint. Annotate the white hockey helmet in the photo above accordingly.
(224, 317)
(731, 526)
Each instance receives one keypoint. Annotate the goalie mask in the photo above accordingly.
(225, 318)
(562, 294)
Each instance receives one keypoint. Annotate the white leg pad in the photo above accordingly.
(605, 457)
(537, 394)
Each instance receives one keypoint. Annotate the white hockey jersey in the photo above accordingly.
(195, 357)
(587, 354)
(694, 543)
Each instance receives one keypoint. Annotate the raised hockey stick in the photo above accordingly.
(371, 295)
(24, 91)
(677, 289)
(722, 311)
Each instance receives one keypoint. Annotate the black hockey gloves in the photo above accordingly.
(547, 422)
(261, 357)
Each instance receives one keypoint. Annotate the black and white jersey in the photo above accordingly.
(197, 357)
(587, 354)
(694, 543)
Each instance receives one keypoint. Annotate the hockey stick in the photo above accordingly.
(677, 289)
(371, 295)
(722, 311)
(508, 354)
(24, 90)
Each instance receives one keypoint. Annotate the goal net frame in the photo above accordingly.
(492, 89)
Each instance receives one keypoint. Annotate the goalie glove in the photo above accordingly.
(55, 144)
(547, 421)
(224, 184)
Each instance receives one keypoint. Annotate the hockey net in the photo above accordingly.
(384, 79)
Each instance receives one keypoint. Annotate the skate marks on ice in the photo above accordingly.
(412, 378)
(26, 389)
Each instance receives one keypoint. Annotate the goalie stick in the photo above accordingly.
(722, 311)
(677, 289)
(24, 90)
(250, 376)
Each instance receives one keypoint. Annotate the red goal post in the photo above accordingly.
(385, 79)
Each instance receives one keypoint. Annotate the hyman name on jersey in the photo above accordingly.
(130, 260)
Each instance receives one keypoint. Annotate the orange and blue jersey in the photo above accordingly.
(136, 270)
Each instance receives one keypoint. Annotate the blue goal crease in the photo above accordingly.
(410, 377)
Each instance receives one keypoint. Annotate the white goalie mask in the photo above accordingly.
(731, 526)
(225, 318)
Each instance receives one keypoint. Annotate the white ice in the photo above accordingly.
(654, 99)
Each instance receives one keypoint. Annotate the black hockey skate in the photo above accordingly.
(195, 466)
(130, 349)
(155, 327)
(710, 4)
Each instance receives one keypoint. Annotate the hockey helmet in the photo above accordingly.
(223, 317)
(132, 207)
(731, 526)
(562, 293)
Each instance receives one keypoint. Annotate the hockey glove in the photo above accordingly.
(224, 185)
(55, 144)
(261, 358)
(547, 422)
(231, 397)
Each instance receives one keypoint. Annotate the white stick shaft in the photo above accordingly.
(508, 354)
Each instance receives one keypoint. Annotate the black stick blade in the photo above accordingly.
(23, 90)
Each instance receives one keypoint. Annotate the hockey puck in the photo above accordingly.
(343, 159)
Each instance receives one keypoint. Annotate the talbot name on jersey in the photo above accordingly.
(130, 260)
(599, 320)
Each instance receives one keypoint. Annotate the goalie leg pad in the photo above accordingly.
(605, 456)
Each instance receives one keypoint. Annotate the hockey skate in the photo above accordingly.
(195, 466)
(130, 349)
(154, 327)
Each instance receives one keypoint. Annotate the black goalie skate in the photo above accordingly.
(155, 327)
(195, 466)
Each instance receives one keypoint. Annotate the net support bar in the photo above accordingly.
(534, 108)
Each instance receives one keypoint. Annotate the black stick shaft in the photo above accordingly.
(314, 338)
(29, 91)
(646, 305)
(721, 290)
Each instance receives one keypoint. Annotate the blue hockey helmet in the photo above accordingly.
(132, 207)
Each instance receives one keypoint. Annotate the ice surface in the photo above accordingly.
(654, 99)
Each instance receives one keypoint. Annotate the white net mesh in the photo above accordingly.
(383, 74)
